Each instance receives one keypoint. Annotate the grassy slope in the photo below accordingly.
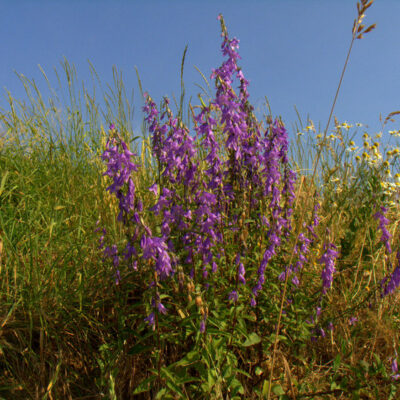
(66, 329)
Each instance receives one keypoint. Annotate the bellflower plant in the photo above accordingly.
(219, 220)
(198, 210)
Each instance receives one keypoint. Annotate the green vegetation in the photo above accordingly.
(68, 331)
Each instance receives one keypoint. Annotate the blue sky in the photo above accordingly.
(292, 50)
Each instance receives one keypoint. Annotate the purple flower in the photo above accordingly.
(158, 131)
(353, 321)
(161, 309)
(317, 332)
(390, 283)
(199, 193)
(155, 248)
(233, 296)
(240, 270)
(203, 325)
(214, 267)
(286, 273)
(295, 281)
(241, 274)
(328, 259)
(395, 369)
(151, 320)
(383, 222)
(154, 189)
(119, 168)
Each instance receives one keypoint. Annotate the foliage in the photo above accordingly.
(210, 265)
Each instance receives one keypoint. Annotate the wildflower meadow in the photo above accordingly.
(214, 255)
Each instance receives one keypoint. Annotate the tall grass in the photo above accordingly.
(67, 330)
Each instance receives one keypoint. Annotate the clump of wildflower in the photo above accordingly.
(383, 222)
(390, 283)
(241, 272)
(328, 259)
(158, 131)
(275, 153)
(302, 247)
(204, 126)
(196, 201)
(156, 249)
(119, 168)
(301, 250)
(395, 370)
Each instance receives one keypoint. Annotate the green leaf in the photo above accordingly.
(236, 387)
(240, 371)
(167, 373)
(227, 372)
(278, 390)
(190, 358)
(211, 379)
(161, 394)
(175, 388)
(144, 386)
(281, 338)
(202, 370)
(265, 388)
(252, 340)
(334, 386)
(171, 381)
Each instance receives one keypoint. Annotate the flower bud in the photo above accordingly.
(199, 301)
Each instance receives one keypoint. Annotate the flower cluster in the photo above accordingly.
(212, 193)
(383, 222)
(328, 260)
(302, 246)
(395, 369)
(390, 283)
(120, 168)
